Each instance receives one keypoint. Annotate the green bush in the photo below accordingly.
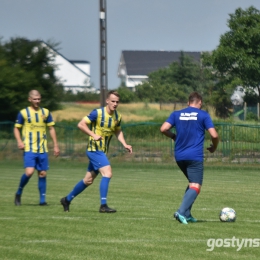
(251, 116)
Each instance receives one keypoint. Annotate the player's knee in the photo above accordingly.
(42, 174)
(29, 173)
(88, 181)
(106, 171)
(107, 174)
(196, 188)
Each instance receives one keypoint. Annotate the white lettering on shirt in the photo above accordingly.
(188, 116)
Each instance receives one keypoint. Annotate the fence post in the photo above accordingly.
(245, 110)
(257, 111)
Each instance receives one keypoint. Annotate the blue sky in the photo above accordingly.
(170, 25)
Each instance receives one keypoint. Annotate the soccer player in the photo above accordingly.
(33, 121)
(104, 123)
(190, 124)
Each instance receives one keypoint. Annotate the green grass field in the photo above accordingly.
(145, 197)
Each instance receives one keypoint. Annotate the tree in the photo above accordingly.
(187, 72)
(26, 65)
(144, 92)
(220, 98)
(126, 95)
(238, 53)
(172, 84)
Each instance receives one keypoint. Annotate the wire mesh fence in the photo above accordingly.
(239, 143)
(245, 112)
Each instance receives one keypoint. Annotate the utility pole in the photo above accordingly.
(103, 53)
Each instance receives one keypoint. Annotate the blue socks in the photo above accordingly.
(187, 213)
(188, 199)
(24, 180)
(42, 188)
(41, 185)
(103, 188)
(80, 186)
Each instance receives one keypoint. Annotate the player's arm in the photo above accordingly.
(17, 130)
(120, 136)
(18, 138)
(166, 130)
(83, 126)
(53, 135)
(214, 138)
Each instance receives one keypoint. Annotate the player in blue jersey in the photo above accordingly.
(190, 124)
(33, 121)
(100, 125)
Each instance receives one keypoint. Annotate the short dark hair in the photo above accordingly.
(112, 92)
(194, 97)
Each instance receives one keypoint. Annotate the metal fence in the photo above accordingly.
(238, 143)
(245, 112)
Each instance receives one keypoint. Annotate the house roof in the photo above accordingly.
(145, 62)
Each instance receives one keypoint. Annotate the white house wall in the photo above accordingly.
(130, 81)
(83, 66)
(74, 77)
(133, 81)
(70, 75)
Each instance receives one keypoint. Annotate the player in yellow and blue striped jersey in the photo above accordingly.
(101, 124)
(33, 121)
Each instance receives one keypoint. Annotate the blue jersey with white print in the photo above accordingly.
(190, 124)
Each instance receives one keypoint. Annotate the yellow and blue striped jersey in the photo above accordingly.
(103, 124)
(33, 124)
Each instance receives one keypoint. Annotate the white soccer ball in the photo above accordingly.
(227, 215)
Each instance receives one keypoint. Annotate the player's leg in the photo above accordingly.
(29, 166)
(188, 215)
(195, 176)
(42, 165)
(106, 173)
(42, 186)
(188, 200)
(101, 163)
(89, 178)
(82, 185)
(183, 167)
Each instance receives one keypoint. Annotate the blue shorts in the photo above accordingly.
(39, 161)
(193, 170)
(97, 160)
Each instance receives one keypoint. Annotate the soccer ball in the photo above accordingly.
(227, 215)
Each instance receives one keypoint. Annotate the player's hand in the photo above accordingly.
(97, 137)
(56, 151)
(129, 148)
(20, 145)
(211, 149)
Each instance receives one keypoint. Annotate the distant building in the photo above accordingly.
(237, 97)
(134, 66)
(74, 75)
